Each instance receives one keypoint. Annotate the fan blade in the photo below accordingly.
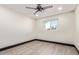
(35, 12)
(47, 7)
(30, 8)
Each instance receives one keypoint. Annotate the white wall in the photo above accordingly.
(64, 32)
(76, 40)
(14, 28)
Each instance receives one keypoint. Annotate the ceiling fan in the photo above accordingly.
(39, 8)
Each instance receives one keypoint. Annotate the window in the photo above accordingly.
(51, 24)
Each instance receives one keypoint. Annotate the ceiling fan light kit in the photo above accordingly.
(39, 8)
(60, 8)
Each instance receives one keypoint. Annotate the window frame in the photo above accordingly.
(52, 27)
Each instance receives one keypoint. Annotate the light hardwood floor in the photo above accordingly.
(40, 48)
